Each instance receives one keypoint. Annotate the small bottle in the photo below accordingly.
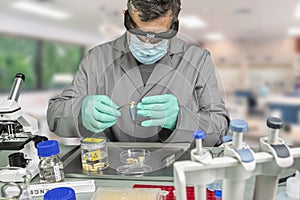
(50, 167)
(60, 193)
(292, 189)
(94, 156)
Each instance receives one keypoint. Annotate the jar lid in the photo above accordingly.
(60, 193)
(93, 142)
(47, 148)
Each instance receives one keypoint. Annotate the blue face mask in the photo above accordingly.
(147, 53)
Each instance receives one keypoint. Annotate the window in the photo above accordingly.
(17, 55)
(45, 64)
(59, 62)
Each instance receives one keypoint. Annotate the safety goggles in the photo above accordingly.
(151, 37)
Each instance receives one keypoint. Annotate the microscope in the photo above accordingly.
(18, 131)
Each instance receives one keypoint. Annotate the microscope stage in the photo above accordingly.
(15, 144)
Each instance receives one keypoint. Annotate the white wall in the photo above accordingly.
(249, 64)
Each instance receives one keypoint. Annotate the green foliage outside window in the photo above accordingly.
(17, 55)
(21, 55)
(59, 59)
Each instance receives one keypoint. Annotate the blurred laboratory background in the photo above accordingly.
(255, 46)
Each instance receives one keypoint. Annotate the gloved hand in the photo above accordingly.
(162, 110)
(98, 113)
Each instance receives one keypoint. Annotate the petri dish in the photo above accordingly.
(134, 169)
(134, 156)
(134, 162)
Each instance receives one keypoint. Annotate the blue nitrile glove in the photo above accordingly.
(99, 112)
(162, 110)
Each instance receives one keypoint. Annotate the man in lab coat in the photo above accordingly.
(145, 86)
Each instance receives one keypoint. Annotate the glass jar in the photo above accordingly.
(14, 183)
(50, 166)
(94, 156)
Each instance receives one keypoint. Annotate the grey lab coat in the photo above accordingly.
(110, 69)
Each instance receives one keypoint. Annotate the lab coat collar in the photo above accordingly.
(176, 45)
(160, 72)
(129, 65)
(163, 67)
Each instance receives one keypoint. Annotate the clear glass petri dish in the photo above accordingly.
(134, 162)
(134, 170)
(134, 156)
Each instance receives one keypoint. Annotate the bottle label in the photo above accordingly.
(57, 173)
(95, 155)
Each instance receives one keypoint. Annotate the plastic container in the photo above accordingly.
(212, 188)
(218, 194)
(284, 196)
(126, 193)
(60, 193)
(94, 156)
(190, 194)
(164, 195)
(50, 166)
(292, 189)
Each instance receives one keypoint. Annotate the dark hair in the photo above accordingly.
(153, 9)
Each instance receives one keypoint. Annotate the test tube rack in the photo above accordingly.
(239, 164)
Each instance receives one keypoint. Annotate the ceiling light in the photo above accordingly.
(214, 36)
(35, 8)
(297, 12)
(295, 31)
(192, 22)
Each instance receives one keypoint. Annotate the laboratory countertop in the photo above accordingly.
(73, 172)
(287, 100)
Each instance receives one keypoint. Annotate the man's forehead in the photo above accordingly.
(164, 21)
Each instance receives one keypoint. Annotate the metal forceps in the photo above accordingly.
(121, 107)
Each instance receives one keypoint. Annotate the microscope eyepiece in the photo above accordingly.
(16, 87)
(20, 75)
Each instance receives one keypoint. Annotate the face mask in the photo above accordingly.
(147, 53)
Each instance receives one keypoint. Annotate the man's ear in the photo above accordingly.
(124, 12)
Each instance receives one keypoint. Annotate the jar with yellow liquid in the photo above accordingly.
(94, 155)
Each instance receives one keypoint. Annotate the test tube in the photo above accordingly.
(132, 110)
(199, 135)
